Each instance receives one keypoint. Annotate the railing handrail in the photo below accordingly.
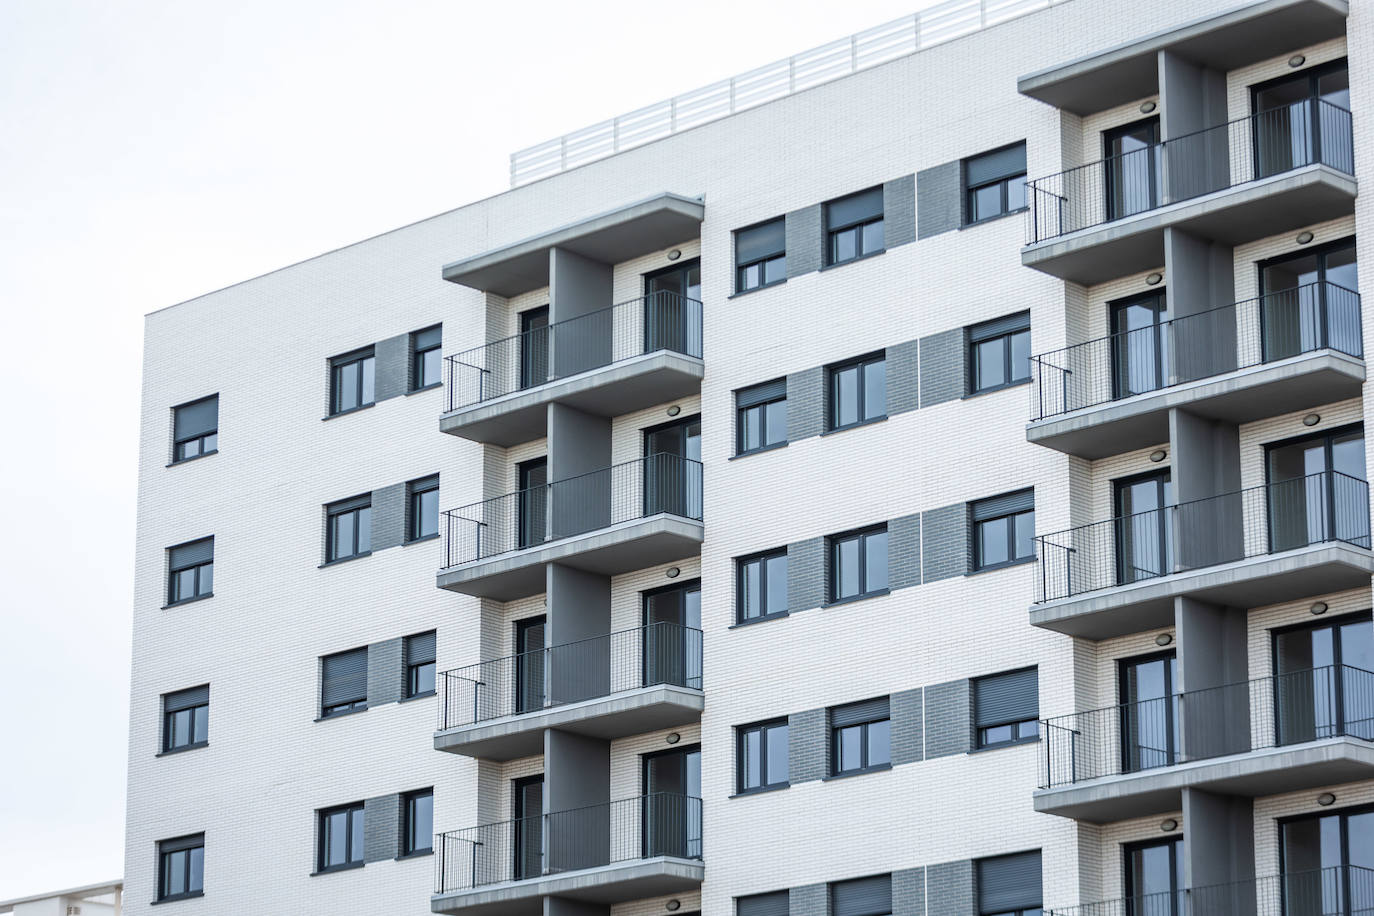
(455, 672)
(453, 834)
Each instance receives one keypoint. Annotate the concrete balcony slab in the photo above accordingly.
(604, 885)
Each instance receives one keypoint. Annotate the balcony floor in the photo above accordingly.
(614, 883)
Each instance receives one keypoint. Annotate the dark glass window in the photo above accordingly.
(854, 226)
(761, 416)
(426, 357)
(181, 867)
(195, 429)
(1155, 877)
(762, 587)
(999, 353)
(760, 255)
(418, 835)
(862, 897)
(352, 381)
(762, 756)
(858, 391)
(1006, 708)
(341, 837)
(343, 682)
(186, 719)
(349, 532)
(191, 570)
(995, 183)
(860, 737)
(858, 563)
(422, 508)
(419, 652)
(1003, 530)
(1010, 886)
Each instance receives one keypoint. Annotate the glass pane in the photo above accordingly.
(174, 873)
(753, 774)
(346, 387)
(777, 585)
(422, 822)
(188, 449)
(845, 409)
(364, 529)
(1025, 535)
(200, 724)
(875, 390)
(210, 443)
(985, 202)
(751, 276)
(775, 269)
(750, 588)
(422, 679)
(992, 542)
(427, 513)
(369, 367)
(844, 245)
(879, 743)
(184, 584)
(873, 237)
(875, 561)
(777, 754)
(336, 838)
(997, 734)
(342, 535)
(775, 423)
(431, 362)
(750, 428)
(207, 579)
(847, 568)
(356, 852)
(179, 728)
(1020, 356)
(989, 364)
(849, 747)
(1016, 193)
(196, 881)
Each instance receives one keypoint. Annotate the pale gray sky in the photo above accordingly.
(153, 150)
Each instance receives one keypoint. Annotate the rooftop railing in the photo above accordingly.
(1341, 890)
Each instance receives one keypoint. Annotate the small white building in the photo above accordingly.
(104, 899)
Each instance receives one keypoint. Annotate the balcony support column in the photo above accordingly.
(578, 286)
(1200, 277)
(579, 608)
(565, 906)
(1192, 98)
(1219, 849)
(578, 444)
(577, 777)
(1213, 716)
(1205, 462)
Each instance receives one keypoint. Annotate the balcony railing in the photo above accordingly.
(1340, 890)
(657, 321)
(1286, 709)
(660, 653)
(1278, 325)
(1320, 508)
(1268, 143)
(652, 485)
(659, 824)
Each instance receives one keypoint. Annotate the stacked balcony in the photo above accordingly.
(1341, 890)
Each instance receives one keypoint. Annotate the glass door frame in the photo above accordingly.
(1312, 74)
(522, 670)
(650, 635)
(1133, 900)
(1170, 713)
(1114, 161)
(1344, 814)
(1162, 352)
(529, 334)
(645, 761)
(1337, 661)
(654, 335)
(521, 820)
(526, 506)
(1165, 540)
(1325, 435)
(1320, 253)
(653, 498)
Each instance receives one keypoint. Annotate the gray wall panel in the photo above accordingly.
(949, 889)
(806, 587)
(909, 892)
(947, 725)
(392, 367)
(944, 375)
(385, 677)
(805, 404)
(381, 828)
(939, 203)
(805, 244)
(904, 552)
(809, 900)
(903, 377)
(388, 517)
(908, 726)
(807, 746)
(899, 211)
(944, 543)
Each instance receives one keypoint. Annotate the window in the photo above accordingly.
(860, 737)
(418, 834)
(777, 903)
(419, 652)
(195, 429)
(426, 358)
(343, 682)
(352, 381)
(186, 719)
(858, 391)
(760, 255)
(1003, 530)
(854, 226)
(349, 531)
(858, 564)
(191, 571)
(422, 509)
(1006, 708)
(181, 867)
(341, 837)
(1010, 885)
(999, 353)
(761, 416)
(762, 587)
(862, 897)
(995, 183)
(762, 756)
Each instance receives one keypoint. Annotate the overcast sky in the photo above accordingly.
(153, 151)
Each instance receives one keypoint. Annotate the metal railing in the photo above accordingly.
(777, 80)
(1278, 325)
(1277, 711)
(661, 320)
(658, 824)
(1319, 508)
(1267, 143)
(1340, 890)
(659, 653)
(653, 485)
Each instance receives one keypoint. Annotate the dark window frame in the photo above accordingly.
(975, 339)
(1020, 734)
(354, 505)
(975, 545)
(761, 410)
(741, 762)
(336, 366)
(836, 736)
(833, 232)
(409, 837)
(413, 668)
(832, 375)
(763, 558)
(415, 489)
(350, 810)
(197, 711)
(1003, 184)
(417, 359)
(174, 596)
(166, 850)
(763, 264)
(832, 546)
(201, 439)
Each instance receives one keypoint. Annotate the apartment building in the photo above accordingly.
(922, 476)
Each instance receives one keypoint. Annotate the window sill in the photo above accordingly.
(193, 458)
(429, 387)
(744, 292)
(185, 601)
(356, 556)
(992, 219)
(1004, 745)
(864, 772)
(982, 391)
(428, 537)
(419, 696)
(333, 868)
(183, 749)
(344, 413)
(762, 790)
(878, 594)
(845, 429)
(764, 619)
(417, 854)
(755, 451)
(863, 257)
(995, 567)
(175, 898)
(340, 715)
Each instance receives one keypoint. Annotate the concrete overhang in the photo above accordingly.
(1267, 579)
(612, 237)
(1269, 771)
(631, 712)
(620, 388)
(1238, 38)
(1243, 213)
(609, 551)
(607, 884)
(1241, 396)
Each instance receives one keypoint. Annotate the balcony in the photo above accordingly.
(610, 521)
(1278, 542)
(1255, 177)
(611, 686)
(609, 362)
(1285, 351)
(1293, 731)
(601, 854)
(1340, 890)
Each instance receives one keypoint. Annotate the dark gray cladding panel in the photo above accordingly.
(947, 726)
(899, 211)
(949, 889)
(805, 245)
(943, 373)
(385, 672)
(809, 900)
(805, 574)
(944, 543)
(939, 199)
(904, 552)
(388, 517)
(903, 377)
(806, 746)
(909, 892)
(381, 828)
(392, 367)
(908, 726)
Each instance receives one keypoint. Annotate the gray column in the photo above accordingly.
(1205, 463)
(909, 892)
(949, 889)
(944, 542)
(579, 445)
(808, 741)
(805, 404)
(899, 211)
(1192, 98)
(577, 792)
(1213, 668)
(805, 242)
(565, 906)
(578, 286)
(579, 609)
(388, 517)
(381, 828)
(809, 900)
(908, 727)
(806, 587)
(939, 199)
(903, 552)
(1200, 279)
(392, 367)
(948, 729)
(385, 672)
(903, 377)
(944, 376)
(1219, 849)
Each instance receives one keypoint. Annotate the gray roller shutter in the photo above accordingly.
(761, 394)
(1006, 504)
(863, 897)
(192, 554)
(994, 166)
(429, 337)
(344, 678)
(1009, 883)
(186, 699)
(420, 649)
(874, 710)
(1010, 697)
(856, 208)
(756, 243)
(197, 418)
(1008, 324)
(774, 904)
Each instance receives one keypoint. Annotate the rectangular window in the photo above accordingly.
(858, 391)
(999, 353)
(760, 255)
(191, 571)
(777, 903)
(422, 508)
(762, 756)
(352, 381)
(343, 682)
(858, 563)
(341, 837)
(426, 357)
(860, 737)
(1003, 530)
(181, 867)
(186, 719)
(1006, 708)
(862, 897)
(349, 528)
(761, 589)
(995, 183)
(195, 429)
(419, 652)
(1010, 886)
(418, 831)
(854, 226)
(761, 416)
